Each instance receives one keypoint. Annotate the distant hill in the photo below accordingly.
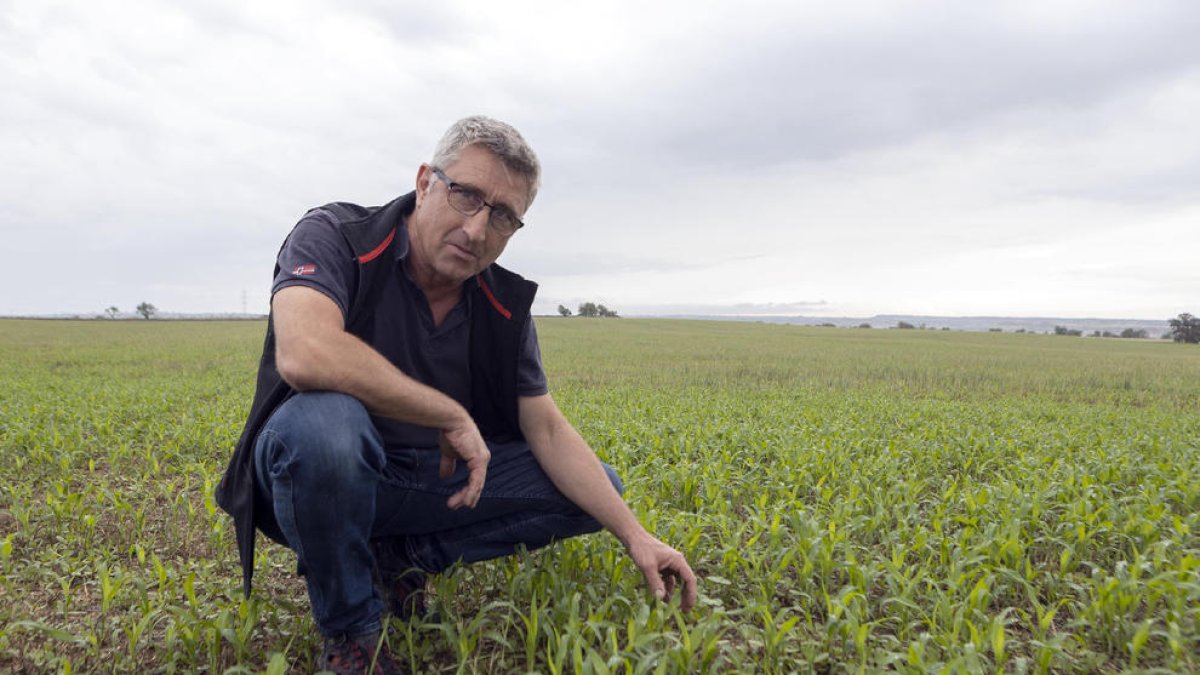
(1007, 324)
(158, 316)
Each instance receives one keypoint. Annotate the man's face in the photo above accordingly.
(446, 246)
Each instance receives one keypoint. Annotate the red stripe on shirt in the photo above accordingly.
(373, 254)
(492, 298)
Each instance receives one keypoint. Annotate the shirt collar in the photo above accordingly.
(401, 244)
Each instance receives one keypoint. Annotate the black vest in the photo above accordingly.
(499, 306)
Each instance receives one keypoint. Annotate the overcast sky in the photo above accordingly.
(829, 159)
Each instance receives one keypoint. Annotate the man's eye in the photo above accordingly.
(466, 194)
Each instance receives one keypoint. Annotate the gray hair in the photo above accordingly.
(501, 139)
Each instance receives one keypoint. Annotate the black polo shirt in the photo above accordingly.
(316, 255)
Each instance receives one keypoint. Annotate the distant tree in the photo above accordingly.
(1134, 333)
(904, 325)
(1063, 330)
(864, 325)
(1185, 328)
(827, 325)
(591, 309)
(945, 327)
(995, 330)
(146, 309)
(112, 311)
(564, 311)
(1019, 330)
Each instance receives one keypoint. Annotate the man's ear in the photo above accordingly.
(424, 182)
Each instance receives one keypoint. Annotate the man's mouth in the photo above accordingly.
(463, 251)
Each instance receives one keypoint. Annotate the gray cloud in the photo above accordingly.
(847, 144)
(425, 24)
(546, 263)
(794, 90)
(733, 309)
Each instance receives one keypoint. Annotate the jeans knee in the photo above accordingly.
(614, 479)
(325, 407)
(322, 433)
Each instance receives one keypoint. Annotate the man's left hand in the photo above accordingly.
(663, 566)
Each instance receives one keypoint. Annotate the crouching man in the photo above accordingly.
(402, 420)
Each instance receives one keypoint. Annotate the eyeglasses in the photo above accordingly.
(468, 202)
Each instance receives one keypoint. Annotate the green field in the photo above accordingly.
(852, 500)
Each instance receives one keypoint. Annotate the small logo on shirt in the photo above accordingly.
(304, 270)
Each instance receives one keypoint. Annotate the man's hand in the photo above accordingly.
(465, 443)
(663, 566)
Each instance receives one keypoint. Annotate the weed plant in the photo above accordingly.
(853, 501)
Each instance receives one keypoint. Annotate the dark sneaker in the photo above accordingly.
(356, 656)
(399, 581)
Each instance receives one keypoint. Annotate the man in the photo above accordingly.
(401, 420)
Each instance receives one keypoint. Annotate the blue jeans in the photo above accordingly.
(335, 488)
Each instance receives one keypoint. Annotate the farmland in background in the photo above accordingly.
(851, 500)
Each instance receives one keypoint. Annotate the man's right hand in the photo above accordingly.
(464, 442)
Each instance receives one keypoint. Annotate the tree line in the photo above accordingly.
(1183, 328)
(146, 309)
(589, 309)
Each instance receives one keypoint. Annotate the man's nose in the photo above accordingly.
(476, 226)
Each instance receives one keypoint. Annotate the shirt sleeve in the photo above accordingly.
(316, 255)
(531, 378)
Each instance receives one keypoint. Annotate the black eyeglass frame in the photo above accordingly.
(453, 187)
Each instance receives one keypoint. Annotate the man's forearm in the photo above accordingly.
(339, 361)
(577, 473)
(314, 352)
